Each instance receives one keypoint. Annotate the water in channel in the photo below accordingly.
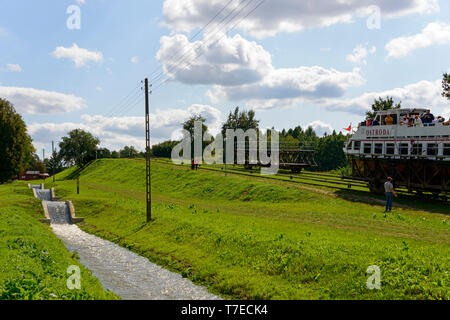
(121, 271)
(44, 194)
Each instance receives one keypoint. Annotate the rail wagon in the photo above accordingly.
(416, 156)
(290, 157)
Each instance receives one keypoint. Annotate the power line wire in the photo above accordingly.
(242, 19)
(130, 100)
(195, 35)
(122, 101)
(211, 43)
(127, 104)
(216, 30)
(131, 106)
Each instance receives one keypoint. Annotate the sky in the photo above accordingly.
(70, 64)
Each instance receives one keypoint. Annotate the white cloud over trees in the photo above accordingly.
(116, 132)
(35, 101)
(422, 94)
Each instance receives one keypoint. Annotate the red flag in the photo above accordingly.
(349, 128)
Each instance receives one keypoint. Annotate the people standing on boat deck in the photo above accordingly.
(410, 122)
(389, 121)
(368, 122)
(390, 193)
(404, 121)
(427, 118)
(418, 121)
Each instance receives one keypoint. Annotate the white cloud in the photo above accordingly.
(435, 33)
(117, 132)
(14, 67)
(35, 101)
(273, 17)
(135, 60)
(81, 1)
(446, 113)
(78, 55)
(419, 95)
(243, 70)
(320, 127)
(99, 89)
(289, 86)
(230, 61)
(360, 53)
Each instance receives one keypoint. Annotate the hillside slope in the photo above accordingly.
(251, 239)
(33, 261)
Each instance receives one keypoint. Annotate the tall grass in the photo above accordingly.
(33, 262)
(250, 239)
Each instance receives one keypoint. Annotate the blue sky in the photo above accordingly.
(289, 60)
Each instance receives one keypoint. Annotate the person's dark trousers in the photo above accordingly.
(389, 198)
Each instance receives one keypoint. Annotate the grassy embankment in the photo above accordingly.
(33, 261)
(251, 239)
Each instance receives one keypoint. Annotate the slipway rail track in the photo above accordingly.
(313, 179)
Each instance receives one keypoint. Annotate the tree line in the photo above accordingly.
(329, 148)
(79, 147)
(17, 153)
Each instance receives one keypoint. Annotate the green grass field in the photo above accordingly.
(33, 261)
(254, 239)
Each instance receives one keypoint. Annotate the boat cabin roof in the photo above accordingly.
(402, 111)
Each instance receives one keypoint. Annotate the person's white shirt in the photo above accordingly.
(388, 186)
(418, 122)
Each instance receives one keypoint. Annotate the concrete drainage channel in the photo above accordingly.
(119, 270)
(55, 212)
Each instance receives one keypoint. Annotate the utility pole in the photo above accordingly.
(78, 164)
(147, 153)
(53, 162)
(226, 156)
(43, 161)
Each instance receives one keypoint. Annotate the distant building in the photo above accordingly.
(32, 175)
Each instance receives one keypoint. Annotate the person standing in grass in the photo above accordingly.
(390, 193)
(196, 164)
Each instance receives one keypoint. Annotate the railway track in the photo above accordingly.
(313, 179)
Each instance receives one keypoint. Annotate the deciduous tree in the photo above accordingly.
(381, 104)
(446, 86)
(15, 143)
(78, 142)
